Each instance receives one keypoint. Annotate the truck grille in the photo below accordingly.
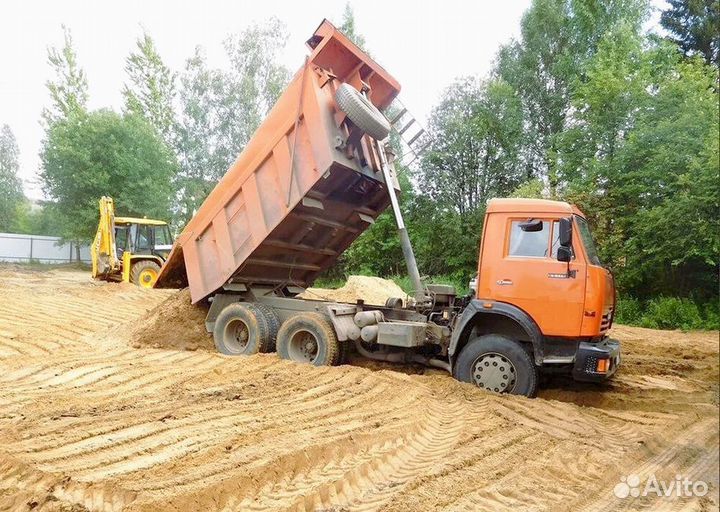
(606, 321)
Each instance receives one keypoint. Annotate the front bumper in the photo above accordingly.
(595, 362)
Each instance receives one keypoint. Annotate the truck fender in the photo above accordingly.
(478, 311)
(219, 301)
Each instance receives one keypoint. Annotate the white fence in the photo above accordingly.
(45, 249)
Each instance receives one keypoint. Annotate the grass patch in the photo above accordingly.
(668, 313)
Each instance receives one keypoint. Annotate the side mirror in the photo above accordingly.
(531, 226)
(564, 254)
(565, 234)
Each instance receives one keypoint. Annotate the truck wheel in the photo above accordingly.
(344, 352)
(273, 323)
(144, 273)
(362, 112)
(498, 364)
(308, 338)
(241, 329)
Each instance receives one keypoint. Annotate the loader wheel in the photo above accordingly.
(308, 338)
(144, 273)
(362, 112)
(498, 364)
(241, 329)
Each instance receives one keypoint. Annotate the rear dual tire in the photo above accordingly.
(243, 329)
(309, 338)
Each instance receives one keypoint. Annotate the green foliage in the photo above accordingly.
(329, 283)
(102, 153)
(695, 27)
(557, 39)
(475, 132)
(220, 110)
(531, 189)
(151, 90)
(69, 89)
(640, 158)
(668, 313)
(628, 310)
(36, 219)
(348, 27)
(11, 193)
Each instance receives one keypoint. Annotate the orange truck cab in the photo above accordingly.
(540, 281)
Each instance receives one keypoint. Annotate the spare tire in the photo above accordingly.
(361, 112)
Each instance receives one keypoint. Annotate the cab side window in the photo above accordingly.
(121, 239)
(162, 236)
(533, 244)
(143, 239)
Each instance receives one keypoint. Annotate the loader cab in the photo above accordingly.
(142, 246)
(142, 237)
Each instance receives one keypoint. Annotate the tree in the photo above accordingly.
(473, 154)
(69, 89)
(558, 37)
(151, 90)
(221, 110)
(102, 153)
(37, 218)
(671, 181)
(605, 103)
(347, 27)
(256, 80)
(694, 26)
(11, 193)
(198, 136)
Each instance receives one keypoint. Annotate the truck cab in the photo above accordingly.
(540, 283)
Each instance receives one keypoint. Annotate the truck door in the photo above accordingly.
(529, 276)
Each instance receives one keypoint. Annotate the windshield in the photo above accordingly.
(588, 241)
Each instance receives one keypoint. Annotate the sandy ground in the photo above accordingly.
(93, 417)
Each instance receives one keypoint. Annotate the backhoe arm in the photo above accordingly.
(103, 251)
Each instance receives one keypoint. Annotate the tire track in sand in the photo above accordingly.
(370, 485)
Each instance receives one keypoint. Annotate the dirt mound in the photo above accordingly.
(373, 290)
(175, 323)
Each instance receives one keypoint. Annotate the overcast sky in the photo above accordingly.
(425, 45)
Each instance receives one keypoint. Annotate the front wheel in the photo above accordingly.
(144, 273)
(498, 364)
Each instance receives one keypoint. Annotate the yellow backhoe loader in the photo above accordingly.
(128, 249)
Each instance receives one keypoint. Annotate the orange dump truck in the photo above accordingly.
(315, 175)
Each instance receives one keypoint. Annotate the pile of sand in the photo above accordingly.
(373, 290)
(175, 324)
(178, 324)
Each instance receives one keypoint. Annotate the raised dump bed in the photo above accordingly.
(306, 185)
